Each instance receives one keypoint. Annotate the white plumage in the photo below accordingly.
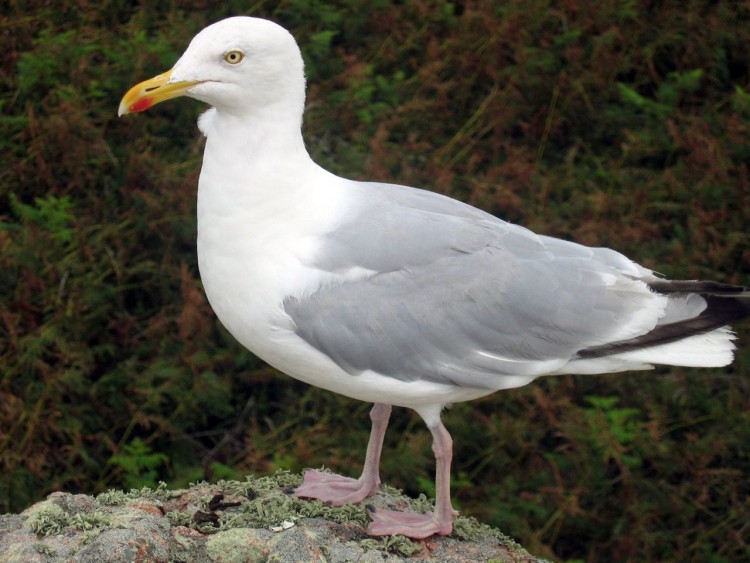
(393, 295)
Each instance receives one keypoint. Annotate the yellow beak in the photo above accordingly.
(150, 92)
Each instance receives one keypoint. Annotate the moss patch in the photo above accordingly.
(398, 545)
(115, 497)
(46, 518)
(235, 546)
(256, 519)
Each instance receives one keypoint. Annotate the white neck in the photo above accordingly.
(262, 204)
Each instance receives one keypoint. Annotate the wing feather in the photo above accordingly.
(455, 295)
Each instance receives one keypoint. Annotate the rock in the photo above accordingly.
(231, 522)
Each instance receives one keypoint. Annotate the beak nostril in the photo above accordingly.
(151, 88)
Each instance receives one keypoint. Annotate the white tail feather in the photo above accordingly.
(712, 349)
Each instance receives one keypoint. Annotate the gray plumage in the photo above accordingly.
(455, 295)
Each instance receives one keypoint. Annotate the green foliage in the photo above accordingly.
(138, 464)
(668, 94)
(624, 124)
(53, 214)
(612, 429)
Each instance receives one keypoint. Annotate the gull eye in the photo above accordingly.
(234, 57)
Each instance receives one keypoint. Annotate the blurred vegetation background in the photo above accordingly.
(620, 123)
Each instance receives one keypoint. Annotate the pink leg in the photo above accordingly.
(336, 489)
(418, 526)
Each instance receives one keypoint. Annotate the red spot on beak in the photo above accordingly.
(142, 105)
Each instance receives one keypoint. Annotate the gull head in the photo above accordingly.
(238, 65)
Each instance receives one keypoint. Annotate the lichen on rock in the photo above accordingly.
(253, 520)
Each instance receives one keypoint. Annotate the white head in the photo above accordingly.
(239, 65)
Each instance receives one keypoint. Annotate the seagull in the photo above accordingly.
(395, 295)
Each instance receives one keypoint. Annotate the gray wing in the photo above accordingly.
(459, 296)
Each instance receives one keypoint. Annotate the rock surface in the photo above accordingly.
(231, 521)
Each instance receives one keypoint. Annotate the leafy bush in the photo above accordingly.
(623, 125)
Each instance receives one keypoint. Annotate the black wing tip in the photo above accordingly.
(725, 304)
(697, 286)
